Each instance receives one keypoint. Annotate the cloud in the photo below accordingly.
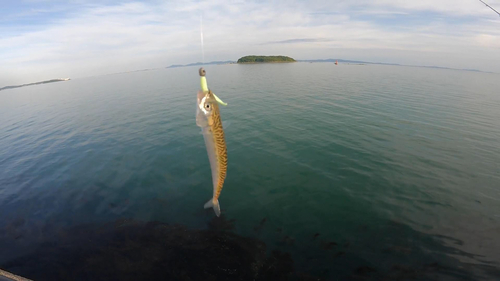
(75, 39)
(300, 40)
(442, 7)
(488, 41)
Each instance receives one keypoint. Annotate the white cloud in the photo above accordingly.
(96, 39)
(489, 41)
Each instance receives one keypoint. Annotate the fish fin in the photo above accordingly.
(214, 203)
(204, 131)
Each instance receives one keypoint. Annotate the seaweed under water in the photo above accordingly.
(129, 249)
(135, 250)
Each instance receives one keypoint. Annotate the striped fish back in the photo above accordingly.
(220, 147)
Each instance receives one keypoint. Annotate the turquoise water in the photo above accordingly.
(391, 169)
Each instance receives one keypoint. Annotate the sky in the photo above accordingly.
(41, 39)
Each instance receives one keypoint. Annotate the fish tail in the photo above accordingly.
(214, 203)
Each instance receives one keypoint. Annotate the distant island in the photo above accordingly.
(263, 59)
(36, 83)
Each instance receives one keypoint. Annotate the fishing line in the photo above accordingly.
(490, 7)
(203, 80)
(201, 36)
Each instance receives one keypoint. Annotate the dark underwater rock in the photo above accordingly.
(132, 250)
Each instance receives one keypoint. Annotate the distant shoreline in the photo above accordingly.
(340, 61)
(35, 83)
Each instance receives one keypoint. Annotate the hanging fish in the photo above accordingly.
(208, 118)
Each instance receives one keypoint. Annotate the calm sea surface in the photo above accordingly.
(355, 170)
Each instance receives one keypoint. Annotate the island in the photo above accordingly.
(265, 59)
(36, 83)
